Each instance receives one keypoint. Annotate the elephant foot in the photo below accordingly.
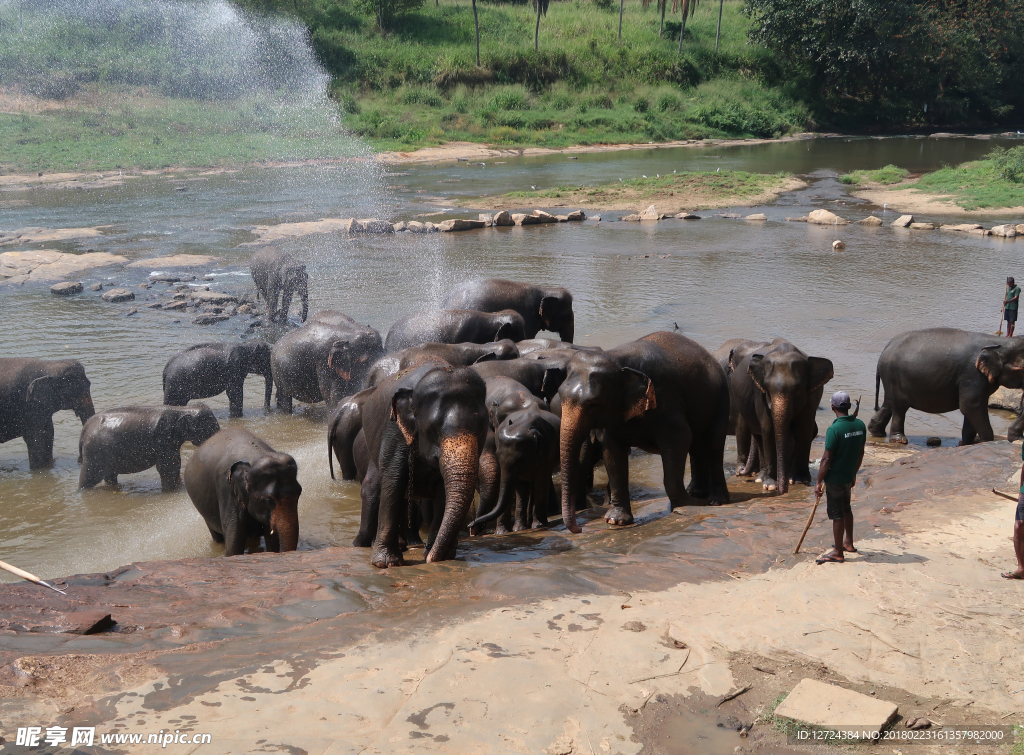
(718, 499)
(898, 438)
(743, 472)
(800, 480)
(384, 558)
(501, 529)
(759, 478)
(362, 541)
(519, 527)
(538, 525)
(769, 485)
(619, 515)
(41, 464)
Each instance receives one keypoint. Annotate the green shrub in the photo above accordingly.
(508, 99)
(1009, 163)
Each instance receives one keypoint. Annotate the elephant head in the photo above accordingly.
(195, 424)
(498, 350)
(66, 388)
(789, 381)
(253, 357)
(1003, 363)
(597, 392)
(351, 358)
(444, 421)
(509, 324)
(268, 490)
(556, 313)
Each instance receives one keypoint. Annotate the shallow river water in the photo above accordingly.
(715, 279)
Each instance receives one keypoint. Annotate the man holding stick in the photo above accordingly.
(1010, 303)
(844, 453)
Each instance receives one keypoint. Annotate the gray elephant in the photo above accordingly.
(455, 354)
(540, 376)
(942, 369)
(209, 369)
(135, 438)
(244, 489)
(541, 307)
(454, 326)
(31, 392)
(345, 424)
(278, 274)
(775, 389)
(325, 360)
(424, 429)
(664, 394)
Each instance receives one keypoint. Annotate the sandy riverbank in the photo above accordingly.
(905, 198)
(587, 647)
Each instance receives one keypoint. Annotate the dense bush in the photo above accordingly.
(1009, 163)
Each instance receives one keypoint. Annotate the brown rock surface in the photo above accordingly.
(175, 261)
(48, 265)
(825, 217)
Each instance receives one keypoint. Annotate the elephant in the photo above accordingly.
(541, 377)
(542, 308)
(135, 438)
(454, 326)
(424, 429)
(31, 391)
(455, 354)
(664, 394)
(275, 274)
(941, 369)
(324, 360)
(345, 424)
(775, 389)
(245, 489)
(519, 457)
(209, 369)
(531, 345)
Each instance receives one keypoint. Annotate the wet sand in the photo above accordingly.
(543, 642)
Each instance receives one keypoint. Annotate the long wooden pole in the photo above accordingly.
(1002, 309)
(817, 500)
(26, 575)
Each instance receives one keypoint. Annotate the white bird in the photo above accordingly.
(658, 176)
(718, 170)
(645, 176)
(620, 180)
(534, 188)
(673, 173)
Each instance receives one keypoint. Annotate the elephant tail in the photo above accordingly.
(878, 380)
(330, 449)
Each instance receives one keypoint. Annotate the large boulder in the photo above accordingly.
(756, 216)
(686, 216)
(487, 218)
(961, 227)
(650, 214)
(870, 220)
(210, 319)
(824, 217)
(400, 226)
(1020, 229)
(521, 218)
(923, 226)
(459, 224)
(576, 215)
(214, 297)
(544, 217)
(68, 288)
(902, 221)
(175, 260)
(504, 218)
(634, 218)
(1006, 231)
(371, 225)
(1006, 398)
(117, 295)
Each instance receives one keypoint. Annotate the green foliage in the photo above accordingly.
(978, 185)
(887, 62)
(387, 11)
(890, 174)
(1009, 163)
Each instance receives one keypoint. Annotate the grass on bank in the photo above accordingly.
(886, 176)
(419, 85)
(733, 184)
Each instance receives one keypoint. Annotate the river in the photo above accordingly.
(715, 279)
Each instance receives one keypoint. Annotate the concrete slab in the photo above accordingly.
(830, 707)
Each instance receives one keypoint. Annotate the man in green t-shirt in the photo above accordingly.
(1010, 303)
(844, 452)
(1018, 530)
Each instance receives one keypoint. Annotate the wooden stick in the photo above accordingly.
(817, 500)
(1001, 310)
(1004, 495)
(26, 575)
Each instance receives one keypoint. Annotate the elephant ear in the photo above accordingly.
(756, 370)
(490, 356)
(640, 395)
(337, 360)
(990, 363)
(548, 309)
(821, 372)
(553, 378)
(238, 478)
(505, 331)
(402, 414)
(42, 390)
(166, 425)
(731, 365)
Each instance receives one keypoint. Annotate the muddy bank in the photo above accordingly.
(906, 198)
(214, 638)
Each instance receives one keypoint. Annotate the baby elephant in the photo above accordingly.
(245, 489)
(135, 438)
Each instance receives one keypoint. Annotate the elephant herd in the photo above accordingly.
(467, 401)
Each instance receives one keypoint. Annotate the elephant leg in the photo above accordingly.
(540, 499)
(899, 417)
(176, 396)
(91, 473)
(590, 454)
(746, 449)
(370, 494)
(674, 449)
(976, 423)
(286, 303)
(769, 459)
(268, 390)
(418, 514)
(880, 420)
(800, 458)
(524, 502)
(169, 469)
(707, 471)
(436, 508)
(218, 537)
(1016, 430)
(234, 392)
(234, 538)
(392, 511)
(284, 402)
(39, 440)
(616, 462)
(489, 482)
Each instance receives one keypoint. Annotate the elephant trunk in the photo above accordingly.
(781, 419)
(506, 494)
(284, 522)
(85, 409)
(571, 438)
(460, 457)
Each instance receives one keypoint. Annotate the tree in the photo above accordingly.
(542, 7)
(718, 32)
(688, 9)
(661, 9)
(476, 23)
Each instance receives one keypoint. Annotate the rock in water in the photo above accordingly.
(824, 217)
(544, 217)
(69, 288)
(1008, 399)
(209, 319)
(756, 216)
(934, 441)
(487, 218)
(923, 226)
(503, 218)
(459, 224)
(576, 215)
(116, 295)
(838, 245)
(902, 221)
(686, 216)
(649, 214)
(870, 220)
(1006, 231)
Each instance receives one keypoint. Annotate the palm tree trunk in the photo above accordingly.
(621, 4)
(661, 29)
(476, 22)
(380, 14)
(682, 26)
(718, 34)
(536, 31)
